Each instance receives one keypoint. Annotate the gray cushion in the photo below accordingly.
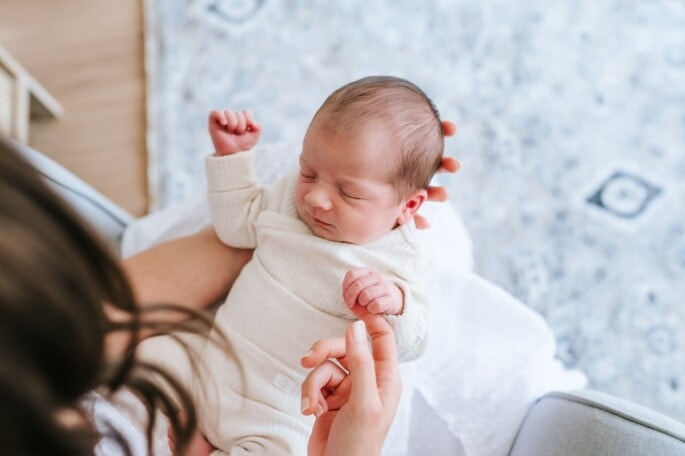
(106, 217)
(591, 423)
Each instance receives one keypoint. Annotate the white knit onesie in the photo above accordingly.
(285, 299)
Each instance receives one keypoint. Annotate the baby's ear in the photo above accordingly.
(411, 205)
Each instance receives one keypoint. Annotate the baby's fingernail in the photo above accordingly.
(309, 353)
(319, 411)
(305, 404)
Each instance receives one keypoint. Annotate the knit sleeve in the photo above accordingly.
(410, 273)
(411, 326)
(235, 198)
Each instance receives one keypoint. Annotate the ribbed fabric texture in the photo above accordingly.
(290, 294)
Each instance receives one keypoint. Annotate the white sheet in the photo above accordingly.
(488, 357)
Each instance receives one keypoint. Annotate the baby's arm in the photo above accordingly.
(233, 131)
(372, 289)
(235, 198)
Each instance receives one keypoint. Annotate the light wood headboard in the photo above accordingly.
(21, 98)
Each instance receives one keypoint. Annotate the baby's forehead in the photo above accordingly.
(382, 131)
(358, 146)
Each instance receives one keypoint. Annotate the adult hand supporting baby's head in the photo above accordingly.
(439, 194)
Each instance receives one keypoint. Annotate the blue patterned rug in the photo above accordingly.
(572, 139)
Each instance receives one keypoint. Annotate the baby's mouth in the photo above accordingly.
(320, 222)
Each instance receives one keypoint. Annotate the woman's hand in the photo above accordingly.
(197, 446)
(440, 194)
(354, 401)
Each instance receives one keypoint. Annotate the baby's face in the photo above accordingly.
(342, 191)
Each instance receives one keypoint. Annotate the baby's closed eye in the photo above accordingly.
(350, 195)
(307, 177)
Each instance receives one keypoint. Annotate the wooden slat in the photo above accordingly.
(21, 90)
(42, 103)
(6, 102)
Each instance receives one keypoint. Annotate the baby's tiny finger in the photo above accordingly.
(231, 120)
(370, 294)
(355, 273)
(217, 117)
(250, 124)
(378, 305)
(352, 284)
(351, 295)
(242, 123)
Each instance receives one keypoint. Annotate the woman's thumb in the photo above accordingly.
(360, 362)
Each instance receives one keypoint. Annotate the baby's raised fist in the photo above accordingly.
(233, 131)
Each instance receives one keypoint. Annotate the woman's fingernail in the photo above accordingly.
(319, 411)
(305, 404)
(359, 331)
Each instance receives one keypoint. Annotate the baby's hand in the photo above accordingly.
(373, 290)
(232, 131)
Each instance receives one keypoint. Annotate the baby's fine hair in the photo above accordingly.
(407, 115)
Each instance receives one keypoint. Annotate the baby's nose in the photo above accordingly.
(318, 198)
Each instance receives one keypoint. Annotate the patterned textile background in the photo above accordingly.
(572, 140)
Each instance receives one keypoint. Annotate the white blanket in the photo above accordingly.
(488, 357)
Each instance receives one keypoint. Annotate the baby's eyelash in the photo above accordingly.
(348, 195)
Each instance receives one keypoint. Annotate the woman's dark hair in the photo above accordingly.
(59, 287)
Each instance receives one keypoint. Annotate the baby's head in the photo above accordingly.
(367, 159)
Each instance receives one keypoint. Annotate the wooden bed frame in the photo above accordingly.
(22, 98)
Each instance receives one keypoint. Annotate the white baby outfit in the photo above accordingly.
(286, 298)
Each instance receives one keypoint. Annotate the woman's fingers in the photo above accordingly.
(421, 222)
(323, 350)
(327, 387)
(364, 389)
(384, 352)
(374, 379)
(324, 389)
(384, 356)
(449, 165)
(449, 128)
(437, 194)
(361, 402)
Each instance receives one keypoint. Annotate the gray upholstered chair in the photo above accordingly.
(585, 423)
(559, 424)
